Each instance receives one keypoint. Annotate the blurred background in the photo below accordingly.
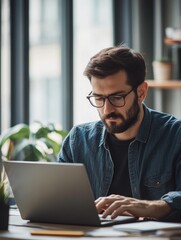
(46, 44)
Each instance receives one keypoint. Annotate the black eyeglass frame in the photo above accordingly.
(108, 97)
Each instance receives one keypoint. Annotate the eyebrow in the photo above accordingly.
(115, 93)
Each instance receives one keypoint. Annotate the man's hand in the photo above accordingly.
(116, 205)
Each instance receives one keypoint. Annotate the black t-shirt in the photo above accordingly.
(119, 152)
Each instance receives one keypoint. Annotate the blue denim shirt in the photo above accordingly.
(154, 157)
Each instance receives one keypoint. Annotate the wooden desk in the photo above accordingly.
(19, 229)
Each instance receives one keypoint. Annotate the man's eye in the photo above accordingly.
(98, 98)
(116, 97)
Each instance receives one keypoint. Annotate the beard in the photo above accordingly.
(131, 118)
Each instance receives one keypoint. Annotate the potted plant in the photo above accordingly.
(4, 208)
(162, 69)
(34, 142)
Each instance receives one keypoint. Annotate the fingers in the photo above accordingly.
(116, 208)
(110, 205)
(116, 205)
(103, 203)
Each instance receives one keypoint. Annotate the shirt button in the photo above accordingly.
(157, 183)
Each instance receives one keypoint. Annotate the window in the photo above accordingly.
(5, 65)
(45, 61)
(93, 30)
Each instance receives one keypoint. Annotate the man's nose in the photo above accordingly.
(108, 107)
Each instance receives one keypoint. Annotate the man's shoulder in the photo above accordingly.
(159, 126)
(165, 120)
(165, 117)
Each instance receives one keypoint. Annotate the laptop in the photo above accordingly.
(50, 192)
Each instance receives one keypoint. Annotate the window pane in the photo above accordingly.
(45, 61)
(5, 65)
(93, 30)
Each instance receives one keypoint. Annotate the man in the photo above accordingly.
(133, 155)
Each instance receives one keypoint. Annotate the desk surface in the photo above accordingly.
(21, 229)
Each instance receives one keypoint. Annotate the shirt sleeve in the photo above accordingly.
(174, 200)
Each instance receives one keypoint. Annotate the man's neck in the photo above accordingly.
(131, 132)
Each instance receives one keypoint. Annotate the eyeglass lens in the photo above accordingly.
(116, 100)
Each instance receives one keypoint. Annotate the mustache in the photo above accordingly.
(113, 115)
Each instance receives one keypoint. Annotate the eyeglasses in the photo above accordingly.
(117, 100)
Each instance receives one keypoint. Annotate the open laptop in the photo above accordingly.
(55, 193)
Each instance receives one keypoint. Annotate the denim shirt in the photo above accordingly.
(154, 157)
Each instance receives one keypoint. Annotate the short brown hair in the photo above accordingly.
(111, 60)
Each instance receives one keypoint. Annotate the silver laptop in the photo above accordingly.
(55, 193)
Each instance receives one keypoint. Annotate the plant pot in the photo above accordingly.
(162, 70)
(4, 216)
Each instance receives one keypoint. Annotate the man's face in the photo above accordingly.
(117, 119)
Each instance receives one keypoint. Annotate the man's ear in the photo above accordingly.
(142, 91)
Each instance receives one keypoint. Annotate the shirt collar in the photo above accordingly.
(144, 130)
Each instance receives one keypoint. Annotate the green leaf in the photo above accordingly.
(51, 144)
(2, 194)
(27, 151)
(15, 133)
(62, 133)
(35, 142)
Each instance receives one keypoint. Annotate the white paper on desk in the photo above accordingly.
(146, 226)
(103, 232)
(14, 212)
